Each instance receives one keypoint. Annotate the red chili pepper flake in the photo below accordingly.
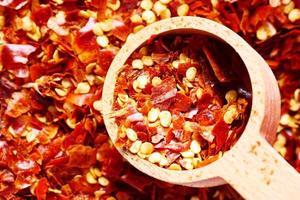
(182, 108)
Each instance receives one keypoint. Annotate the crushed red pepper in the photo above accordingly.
(42, 102)
(178, 105)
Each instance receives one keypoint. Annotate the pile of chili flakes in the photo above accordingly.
(54, 57)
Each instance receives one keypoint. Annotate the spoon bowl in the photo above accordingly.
(251, 166)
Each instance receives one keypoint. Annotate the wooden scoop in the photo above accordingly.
(251, 166)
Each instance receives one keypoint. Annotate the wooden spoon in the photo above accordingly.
(251, 166)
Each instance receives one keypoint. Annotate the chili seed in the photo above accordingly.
(102, 41)
(195, 147)
(131, 134)
(147, 60)
(137, 64)
(175, 64)
(154, 157)
(231, 96)
(175, 166)
(114, 6)
(289, 7)
(165, 14)
(199, 93)
(294, 15)
(146, 4)
(82, 88)
(156, 81)
(61, 92)
(148, 16)
(187, 154)
(187, 163)
(97, 30)
(231, 114)
(183, 10)
(165, 1)
(163, 161)
(153, 114)
(142, 81)
(135, 147)
(103, 181)
(98, 105)
(165, 118)
(90, 178)
(146, 148)
(159, 7)
(136, 18)
(191, 73)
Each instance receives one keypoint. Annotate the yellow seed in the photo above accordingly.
(71, 123)
(146, 148)
(154, 157)
(136, 18)
(111, 198)
(146, 4)
(284, 120)
(285, 1)
(142, 81)
(191, 73)
(27, 24)
(2, 22)
(231, 96)
(95, 172)
(183, 10)
(138, 28)
(289, 7)
(187, 163)
(68, 107)
(153, 114)
(195, 147)
(175, 64)
(294, 15)
(99, 193)
(143, 51)
(123, 97)
(194, 198)
(66, 83)
(187, 154)
(103, 181)
(188, 126)
(175, 166)
(102, 41)
(97, 30)
(131, 134)
(163, 161)
(90, 78)
(135, 86)
(294, 105)
(61, 92)
(156, 81)
(141, 155)
(297, 94)
(82, 88)
(159, 7)
(137, 64)
(147, 60)
(135, 147)
(90, 178)
(165, 118)
(98, 105)
(261, 33)
(270, 29)
(148, 16)
(165, 1)
(199, 93)
(106, 26)
(183, 58)
(165, 14)
(114, 6)
(214, 3)
(274, 3)
(231, 114)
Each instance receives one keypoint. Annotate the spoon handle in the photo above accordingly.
(259, 172)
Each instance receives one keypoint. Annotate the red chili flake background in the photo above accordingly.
(45, 156)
